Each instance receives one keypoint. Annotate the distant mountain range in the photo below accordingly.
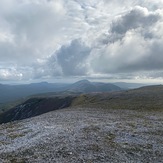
(9, 93)
(14, 92)
(145, 98)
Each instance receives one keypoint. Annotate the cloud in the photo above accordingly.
(35, 29)
(10, 74)
(137, 18)
(133, 44)
(47, 38)
(72, 58)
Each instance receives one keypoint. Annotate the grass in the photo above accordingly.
(15, 159)
(91, 128)
(16, 135)
(110, 139)
(93, 147)
(138, 99)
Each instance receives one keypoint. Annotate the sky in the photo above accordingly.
(50, 40)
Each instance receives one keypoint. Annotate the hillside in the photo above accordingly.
(34, 107)
(123, 126)
(83, 134)
(145, 98)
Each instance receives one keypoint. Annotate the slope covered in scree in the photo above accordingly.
(84, 135)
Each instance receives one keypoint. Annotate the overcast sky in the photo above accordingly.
(72, 39)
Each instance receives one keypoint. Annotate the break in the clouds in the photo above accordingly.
(45, 39)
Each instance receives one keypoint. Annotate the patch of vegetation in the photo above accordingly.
(11, 126)
(91, 128)
(137, 148)
(110, 139)
(15, 159)
(93, 147)
(132, 125)
(16, 135)
(4, 142)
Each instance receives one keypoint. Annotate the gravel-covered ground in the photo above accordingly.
(84, 135)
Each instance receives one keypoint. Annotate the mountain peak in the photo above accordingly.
(83, 81)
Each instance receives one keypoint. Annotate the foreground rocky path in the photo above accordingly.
(84, 135)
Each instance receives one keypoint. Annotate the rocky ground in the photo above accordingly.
(84, 135)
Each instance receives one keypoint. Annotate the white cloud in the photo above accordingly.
(49, 38)
(133, 44)
(10, 74)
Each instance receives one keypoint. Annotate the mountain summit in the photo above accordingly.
(86, 86)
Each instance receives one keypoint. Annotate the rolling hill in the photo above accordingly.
(9, 93)
(145, 98)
